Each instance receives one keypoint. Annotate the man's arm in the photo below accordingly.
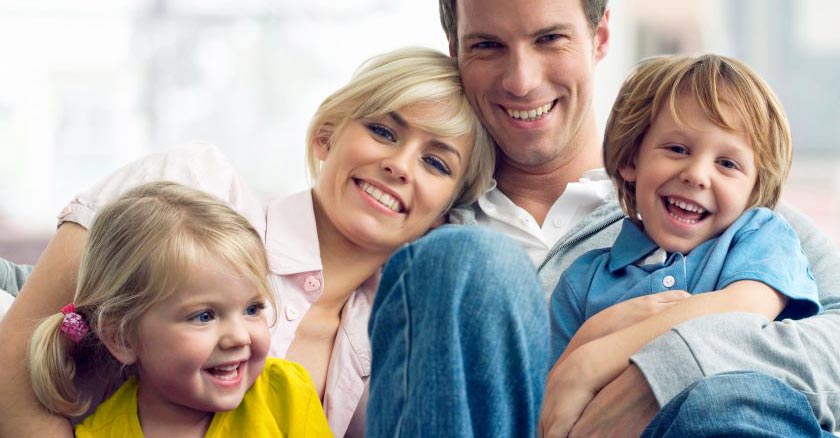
(50, 286)
(803, 353)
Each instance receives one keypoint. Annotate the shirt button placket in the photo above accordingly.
(668, 281)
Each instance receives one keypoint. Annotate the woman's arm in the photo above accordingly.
(50, 286)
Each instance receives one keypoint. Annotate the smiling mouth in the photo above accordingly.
(533, 114)
(225, 373)
(685, 212)
(383, 198)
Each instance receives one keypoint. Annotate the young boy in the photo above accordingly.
(698, 148)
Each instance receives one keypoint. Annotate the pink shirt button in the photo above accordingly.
(311, 284)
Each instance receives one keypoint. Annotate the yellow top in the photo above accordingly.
(281, 403)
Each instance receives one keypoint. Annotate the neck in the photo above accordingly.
(346, 264)
(536, 188)
(159, 419)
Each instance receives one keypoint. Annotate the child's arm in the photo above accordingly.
(607, 357)
(581, 373)
(623, 314)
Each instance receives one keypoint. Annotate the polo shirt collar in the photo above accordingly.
(631, 245)
(291, 238)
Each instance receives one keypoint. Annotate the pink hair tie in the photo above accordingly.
(73, 325)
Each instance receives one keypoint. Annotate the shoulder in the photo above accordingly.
(759, 222)
(117, 416)
(583, 270)
(283, 376)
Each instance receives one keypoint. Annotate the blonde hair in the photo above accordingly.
(393, 80)
(138, 253)
(712, 80)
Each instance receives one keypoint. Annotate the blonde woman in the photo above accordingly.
(391, 151)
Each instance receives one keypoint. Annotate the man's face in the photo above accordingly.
(527, 67)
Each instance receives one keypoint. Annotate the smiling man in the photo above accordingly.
(528, 69)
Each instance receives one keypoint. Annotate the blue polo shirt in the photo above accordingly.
(759, 245)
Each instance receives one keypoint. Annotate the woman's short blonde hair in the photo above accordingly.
(393, 80)
(712, 80)
(139, 251)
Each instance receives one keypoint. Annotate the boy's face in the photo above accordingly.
(692, 180)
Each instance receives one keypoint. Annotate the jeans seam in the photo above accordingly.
(409, 260)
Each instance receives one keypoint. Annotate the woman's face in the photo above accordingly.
(385, 181)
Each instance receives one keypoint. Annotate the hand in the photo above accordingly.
(566, 396)
(623, 408)
(627, 313)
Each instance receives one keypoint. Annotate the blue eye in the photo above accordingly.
(550, 38)
(254, 309)
(729, 164)
(382, 132)
(677, 149)
(437, 164)
(203, 317)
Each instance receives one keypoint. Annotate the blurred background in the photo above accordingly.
(86, 87)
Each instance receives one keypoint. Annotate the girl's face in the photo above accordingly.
(385, 181)
(692, 180)
(200, 349)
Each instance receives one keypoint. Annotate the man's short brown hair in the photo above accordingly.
(594, 10)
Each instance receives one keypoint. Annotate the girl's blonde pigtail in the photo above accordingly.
(53, 369)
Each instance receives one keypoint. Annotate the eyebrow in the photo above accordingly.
(558, 27)
(400, 120)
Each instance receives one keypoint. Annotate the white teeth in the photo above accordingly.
(532, 114)
(383, 198)
(683, 220)
(225, 372)
(686, 206)
(227, 367)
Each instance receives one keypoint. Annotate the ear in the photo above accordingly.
(124, 353)
(601, 43)
(453, 48)
(628, 173)
(322, 141)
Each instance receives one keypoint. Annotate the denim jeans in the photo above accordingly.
(459, 332)
(738, 404)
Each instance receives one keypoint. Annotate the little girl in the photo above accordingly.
(390, 152)
(172, 290)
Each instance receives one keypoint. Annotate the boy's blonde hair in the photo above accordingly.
(712, 80)
(139, 251)
(388, 82)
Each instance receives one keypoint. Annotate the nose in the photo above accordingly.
(522, 73)
(697, 174)
(235, 334)
(399, 164)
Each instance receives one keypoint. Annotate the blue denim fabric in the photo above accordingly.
(459, 333)
(739, 404)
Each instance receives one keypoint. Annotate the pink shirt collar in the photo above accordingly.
(294, 259)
